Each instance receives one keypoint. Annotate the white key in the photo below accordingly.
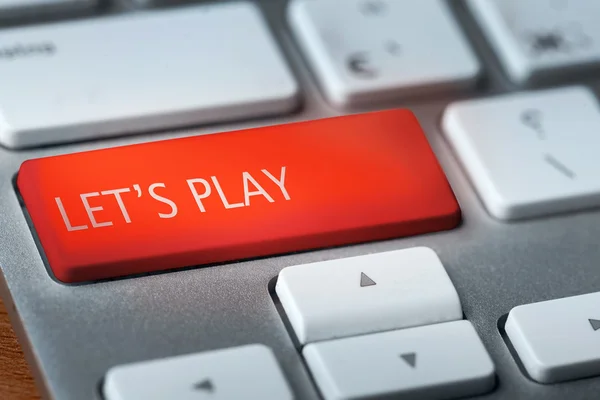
(557, 340)
(530, 154)
(137, 72)
(538, 38)
(18, 8)
(246, 372)
(440, 361)
(365, 51)
(371, 293)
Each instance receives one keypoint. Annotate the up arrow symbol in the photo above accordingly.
(595, 324)
(365, 280)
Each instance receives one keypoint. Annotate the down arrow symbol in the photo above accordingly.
(205, 385)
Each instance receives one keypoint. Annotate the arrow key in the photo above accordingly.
(246, 372)
(432, 362)
(557, 340)
(365, 294)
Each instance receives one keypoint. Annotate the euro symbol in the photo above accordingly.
(358, 64)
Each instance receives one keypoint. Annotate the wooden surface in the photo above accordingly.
(16, 382)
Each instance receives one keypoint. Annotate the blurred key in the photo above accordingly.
(138, 72)
(531, 153)
(372, 51)
(537, 39)
(22, 8)
(244, 372)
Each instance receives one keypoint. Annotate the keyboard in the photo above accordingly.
(302, 199)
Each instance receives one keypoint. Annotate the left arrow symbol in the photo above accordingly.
(205, 385)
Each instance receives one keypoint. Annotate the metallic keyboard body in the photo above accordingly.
(72, 334)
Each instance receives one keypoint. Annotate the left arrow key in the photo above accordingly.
(177, 377)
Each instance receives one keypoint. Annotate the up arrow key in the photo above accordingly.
(366, 281)
(595, 324)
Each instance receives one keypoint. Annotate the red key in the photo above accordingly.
(236, 195)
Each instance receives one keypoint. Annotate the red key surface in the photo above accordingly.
(235, 195)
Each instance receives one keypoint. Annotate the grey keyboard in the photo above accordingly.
(499, 301)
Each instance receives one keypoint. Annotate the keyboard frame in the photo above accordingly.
(72, 334)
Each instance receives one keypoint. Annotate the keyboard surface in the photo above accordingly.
(528, 196)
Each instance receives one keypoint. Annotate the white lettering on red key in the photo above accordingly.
(248, 182)
(162, 199)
